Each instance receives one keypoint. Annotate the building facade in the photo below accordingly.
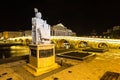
(116, 28)
(11, 34)
(61, 30)
(27, 33)
(56, 30)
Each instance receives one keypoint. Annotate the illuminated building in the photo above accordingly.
(109, 30)
(12, 34)
(56, 30)
(27, 33)
(116, 28)
(61, 30)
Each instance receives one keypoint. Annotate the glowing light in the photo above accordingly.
(76, 40)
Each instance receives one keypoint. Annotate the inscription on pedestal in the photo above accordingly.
(45, 53)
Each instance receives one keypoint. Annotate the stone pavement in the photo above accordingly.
(90, 69)
(7, 73)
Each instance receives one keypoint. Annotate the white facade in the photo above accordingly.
(60, 30)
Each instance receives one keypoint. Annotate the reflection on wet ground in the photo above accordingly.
(13, 49)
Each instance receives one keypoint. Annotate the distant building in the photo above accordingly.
(61, 30)
(104, 33)
(11, 34)
(1, 34)
(116, 28)
(93, 33)
(113, 33)
(73, 34)
(56, 30)
(27, 33)
(109, 30)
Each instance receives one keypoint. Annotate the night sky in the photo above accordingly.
(82, 17)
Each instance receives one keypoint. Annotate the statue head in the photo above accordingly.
(38, 15)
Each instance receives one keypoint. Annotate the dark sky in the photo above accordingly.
(82, 17)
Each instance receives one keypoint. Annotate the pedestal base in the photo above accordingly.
(41, 59)
(39, 71)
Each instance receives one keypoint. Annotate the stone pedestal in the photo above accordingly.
(41, 59)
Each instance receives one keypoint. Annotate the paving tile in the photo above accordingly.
(11, 76)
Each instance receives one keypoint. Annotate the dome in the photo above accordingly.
(60, 24)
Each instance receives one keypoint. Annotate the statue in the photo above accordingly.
(40, 29)
(42, 55)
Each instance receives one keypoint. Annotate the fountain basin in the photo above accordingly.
(79, 55)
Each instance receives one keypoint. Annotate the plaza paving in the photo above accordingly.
(89, 69)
